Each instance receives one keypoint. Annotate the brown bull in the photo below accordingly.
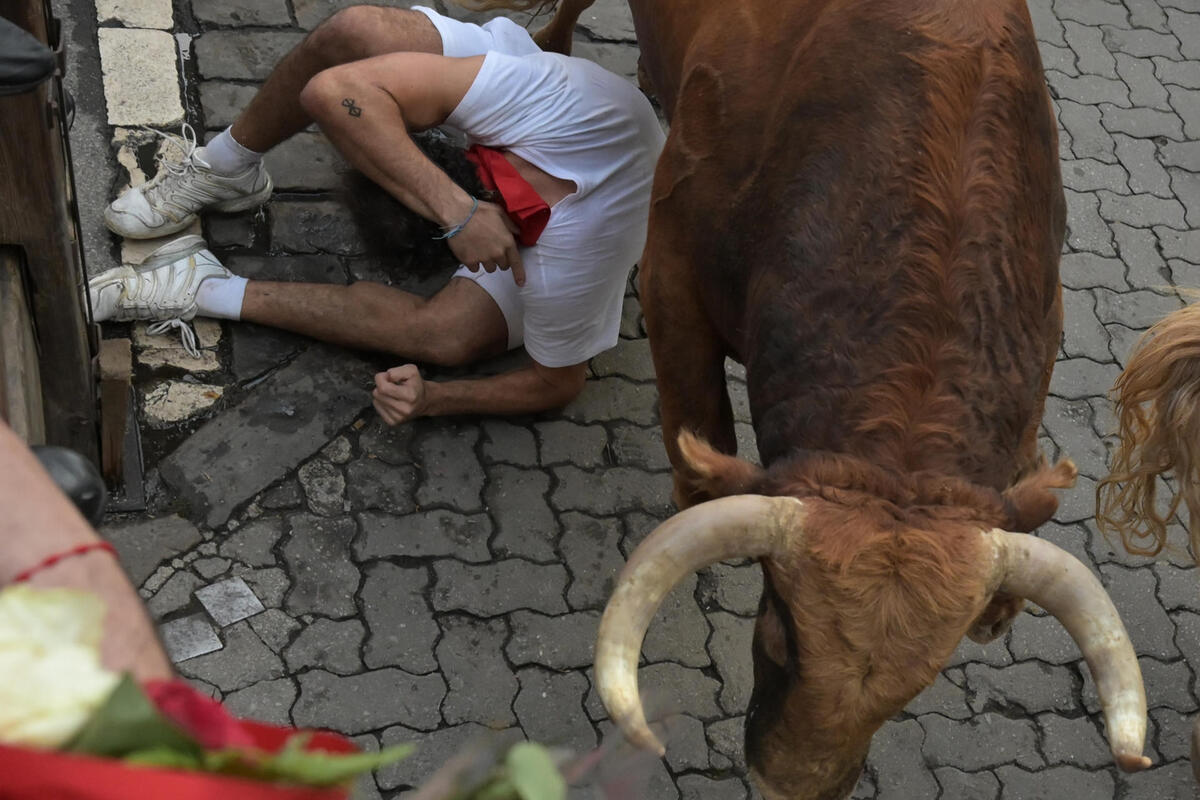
(860, 201)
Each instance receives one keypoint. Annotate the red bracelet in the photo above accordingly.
(50, 561)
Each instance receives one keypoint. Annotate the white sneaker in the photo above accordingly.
(163, 289)
(168, 203)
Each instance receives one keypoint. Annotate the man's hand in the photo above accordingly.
(487, 242)
(399, 394)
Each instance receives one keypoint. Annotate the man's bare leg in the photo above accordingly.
(458, 325)
(354, 33)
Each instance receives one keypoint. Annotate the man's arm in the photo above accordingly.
(367, 108)
(402, 394)
(39, 521)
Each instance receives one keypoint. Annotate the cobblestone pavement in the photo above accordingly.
(309, 565)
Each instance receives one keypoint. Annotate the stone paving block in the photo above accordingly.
(222, 102)
(286, 495)
(506, 443)
(452, 473)
(169, 402)
(1179, 244)
(669, 688)
(281, 422)
(679, 631)
(211, 568)
(1086, 229)
(608, 399)
(428, 533)
(1055, 782)
(687, 746)
(1141, 122)
(1148, 625)
(188, 637)
(1069, 423)
(307, 161)
(274, 627)
(268, 701)
(1178, 587)
(639, 447)
(1147, 14)
(967, 785)
(318, 559)
(1045, 23)
(1141, 211)
(1174, 733)
(1170, 682)
(1078, 742)
(1180, 73)
(727, 738)
(480, 686)
(1089, 89)
(370, 701)
(629, 359)
(243, 12)
(983, 742)
(1059, 59)
(1092, 12)
(1092, 56)
(944, 697)
(307, 226)
(730, 650)
(1146, 175)
(1031, 687)
(622, 489)
(735, 588)
(136, 13)
(324, 488)
(141, 80)
(608, 20)
(560, 642)
(244, 661)
(526, 525)
(1141, 43)
(1043, 638)
(1144, 87)
(899, 768)
(174, 595)
(308, 268)
(488, 590)
(568, 726)
(1139, 250)
(142, 546)
(253, 543)
(329, 645)
(1089, 139)
(375, 484)
(388, 444)
(1088, 270)
(1078, 503)
(1088, 175)
(400, 621)
(435, 749)
(562, 442)
(242, 55)
(1172, 781)
(1136, 310)
(1083, 335)
(1080, 378)
(1187, 187)
(698, 787)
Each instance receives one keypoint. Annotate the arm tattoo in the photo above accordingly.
(354, 110)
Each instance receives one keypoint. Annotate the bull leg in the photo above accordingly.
(689, 360)
(556, 37)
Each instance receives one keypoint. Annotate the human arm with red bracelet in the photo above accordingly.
(38, 524)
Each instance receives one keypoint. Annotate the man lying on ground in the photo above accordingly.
(568, 148)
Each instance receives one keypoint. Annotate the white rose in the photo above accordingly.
(51, 680)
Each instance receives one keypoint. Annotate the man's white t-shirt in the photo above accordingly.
(576, 121)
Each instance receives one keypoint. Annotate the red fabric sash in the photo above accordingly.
(525, 207)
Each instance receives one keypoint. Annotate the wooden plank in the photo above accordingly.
(116, 372)
(20, 379)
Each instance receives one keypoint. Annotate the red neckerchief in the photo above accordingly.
(524, 205)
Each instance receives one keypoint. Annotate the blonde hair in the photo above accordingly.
(1157, 399)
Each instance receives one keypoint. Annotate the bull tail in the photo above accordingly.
(709, 474)
(1157, 400)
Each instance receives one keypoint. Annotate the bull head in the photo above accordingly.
(847, 635)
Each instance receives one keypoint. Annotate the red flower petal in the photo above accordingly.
(201, 716)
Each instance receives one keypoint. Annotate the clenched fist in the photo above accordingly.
(399, 394)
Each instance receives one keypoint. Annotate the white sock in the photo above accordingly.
(221, 297)
(226, 156)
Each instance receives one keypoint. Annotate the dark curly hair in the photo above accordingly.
(389, 229)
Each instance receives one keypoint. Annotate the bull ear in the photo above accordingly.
(710, 474)
(1030, 502)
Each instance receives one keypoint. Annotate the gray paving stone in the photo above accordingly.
(1186, 26)
(966, 785)
(1173, 680)
(994, 653)
(318, 559)
(632, 325)
(1078, 741)
(591, 551)
(679, 631)
(568, 726)
(1178, 588)
(563, 442)
(321, 226)
(1141, 43)
(1137, 310)
(189, 637)
(1147, 623)
(1069, 423)
(620, 489)
(1089, 89)
(698, 787)
(517, 500)
(506, 443)
(488, 590)
(222, 102)
(639, 447)
(1141, 122)
(1139, 250)
(269, 585)
(1146, 175)
(1186, 103)
(1080, 378)
(142, 546)
(1078, 503)
(339, 451)
(1179, 244)
(1083, 335)
(1092, 12)
(1180, 73)
(629, 359)
(559, 642)
(1144, 87)
(1086, 230)
(1174, 733)
(687, 747)
(211, 568)
(230, 230)
(318, 268)
(608, 20)
(1054, 782)
(1092, 56)
(242, 55)
(452, 474)
(281, 422)
(329, 645)
(274, 627)
(1089, 139)
(1043, 638)
(400, 623)
(324, 487)
(1045, 23)
(1059, 59)
(1031, 687)
(944, 697)
(1088, 175)
(257, 349)
(370, 701)
(229, 601)
(1088, 270)
(374, 483)
(736, 589)
(1187, 188)
(481, 687)
(174, 595)
(243, 12)
(388, 444)
(434, 749)
(307, 162)
(268, 701)
(1172, 781)
(607, 399)
(423, 534)
(727, 738)
(731, 655)
(673, 689)
(244, 661)
(899, 767)
(983, 742)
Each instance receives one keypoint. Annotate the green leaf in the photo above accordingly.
(534, 774)
(128, 722)
(163, 757)
(293, 765)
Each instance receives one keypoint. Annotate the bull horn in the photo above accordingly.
(1037, 570)
(742, 526)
